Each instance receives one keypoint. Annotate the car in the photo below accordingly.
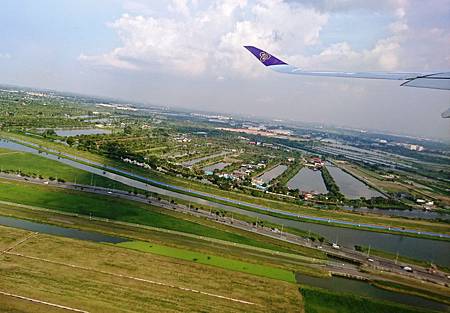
(335, 246)
(407, 268)
(370, 260)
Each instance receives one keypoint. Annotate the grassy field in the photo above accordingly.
(34, 165)
(226, 263)
(207, 246)
(322, 301)
(113, 279)
(118, 209)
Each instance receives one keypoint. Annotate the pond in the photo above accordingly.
(195, 161)
(308, 180)
(216, 166)
(351, 187)
(77, 132)
(267, 176)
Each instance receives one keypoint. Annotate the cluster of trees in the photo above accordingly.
(332, 187)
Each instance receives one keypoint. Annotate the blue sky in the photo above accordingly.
(188, 53)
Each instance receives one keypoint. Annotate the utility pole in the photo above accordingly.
(368, 252)
(396, 258)
(281, 233)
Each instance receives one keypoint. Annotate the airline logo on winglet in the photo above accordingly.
(264, 56)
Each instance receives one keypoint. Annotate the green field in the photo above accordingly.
(34, 165)
(226, 263)
(115, 209)
(322, 301)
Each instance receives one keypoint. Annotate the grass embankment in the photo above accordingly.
(320, 301)
(60, 272)
(226, 263)
(118, 209)
(391, 286)
(284, 206)
(32, 165)
(250, 254)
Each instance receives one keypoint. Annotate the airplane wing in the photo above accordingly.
(420, 80)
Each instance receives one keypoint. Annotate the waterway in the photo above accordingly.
(361, 288)
(267, 176)
(216, 166)
(308, 180)
(59, 231)
(195, 161)
(420, 214)
(77, 132)
(418, 248)
(351, 187)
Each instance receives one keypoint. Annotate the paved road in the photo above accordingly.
(334, 266)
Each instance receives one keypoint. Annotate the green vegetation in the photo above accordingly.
(388, 285)
(113, 279)
(115, 209)
(320, 301)
(292, 207)
(226, 263)
(332, 187)
(205, 245)
(27, 164)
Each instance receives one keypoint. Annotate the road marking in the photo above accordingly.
(42, 302)
(133, 278)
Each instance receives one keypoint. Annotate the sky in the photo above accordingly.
(188, 54)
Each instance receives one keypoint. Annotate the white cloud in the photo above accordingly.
(5, 56)
(210, 39)
(192, 38)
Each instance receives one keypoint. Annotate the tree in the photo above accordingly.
(70, 141)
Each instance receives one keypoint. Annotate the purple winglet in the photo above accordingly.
(264, 57)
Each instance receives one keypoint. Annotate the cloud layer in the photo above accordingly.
(190, 37)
